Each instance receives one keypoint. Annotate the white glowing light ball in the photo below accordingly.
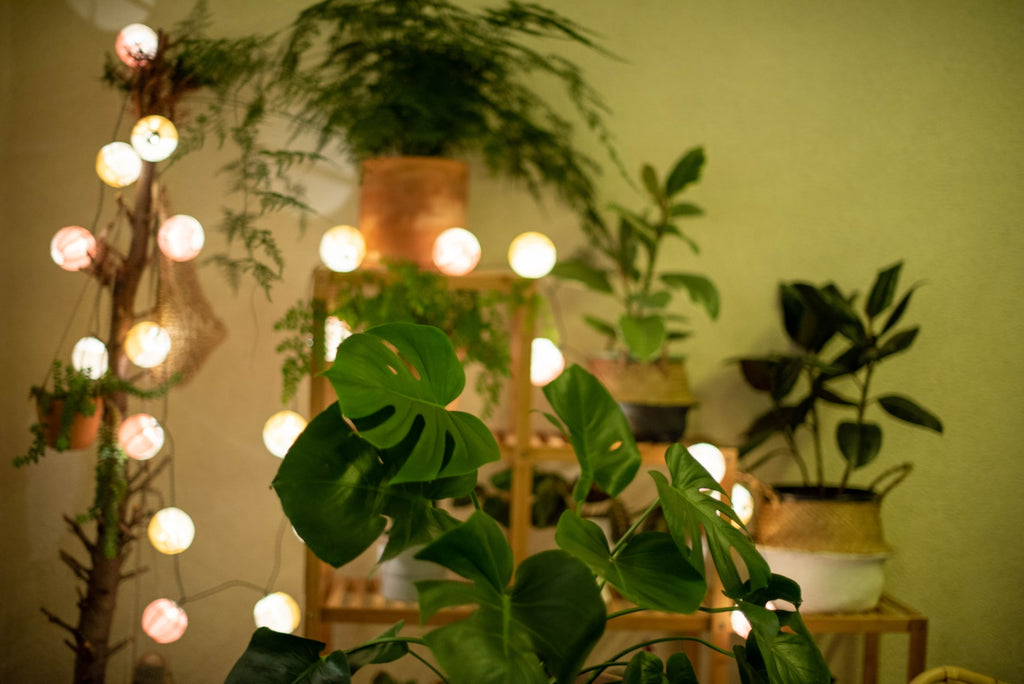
(277, 611)
(141, 436)
(171, 530)
(335, 332)
(181, 237)
(89, 355)
(742, 502)
(147, 344)
(154, 137)
(73, 248)
(740, 624)
(164, 621)
(711, 457)
(532, 255)
(136, 44)
(546, 361)
(342, 249)
(456, 252)
(118, 164)
(281, 430)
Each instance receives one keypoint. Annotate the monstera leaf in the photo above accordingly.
(276, 658)
(689, 508)
(597, 430)
(649, 570)
(335, 488)
(394, 382)
(545, 624)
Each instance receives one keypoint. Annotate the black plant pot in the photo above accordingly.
(651, 423)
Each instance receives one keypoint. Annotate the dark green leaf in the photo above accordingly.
(644, 337)
(399, 376)
(900, 341)
(686, 171)
(702, 291)
(277, 658)
(653, 300)
(650, 179)
(685, 209)
(582, 271)
(476, 549)
(898, 312)
(759, 373)
(787, 372)
(376, 652)
(883, 290)
(679, 669)
(602, 327)
(809, 327)
(906, 409)
(859, 442)
(644, 668)
(597, 430)
(844, 316)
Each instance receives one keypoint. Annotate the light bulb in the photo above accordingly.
(742, 502)
(740, 624)
(546, 361)
(141, 436)
(281, 430)
(277, 611)
(89, 355)
(73, 248)
(147, 344)
(171, 530)
(709, 456)
(136, 44)
(164, 621)
(456, 252)
(118, 164)
(532, 255)
(154, 137)
(342, 249)
(335, 332)
(181, 237)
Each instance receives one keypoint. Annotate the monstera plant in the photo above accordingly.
(389, 448)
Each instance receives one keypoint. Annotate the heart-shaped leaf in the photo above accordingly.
(643, 335)
(396, 380)
(859, 442)
(277, 658)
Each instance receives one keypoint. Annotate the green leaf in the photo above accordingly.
(859, 442)
(906, 409)
(844, 316)
(278, 658)
(653, 300)
(376, 652)
(883, 290)
(679, 669)
(396, 377)
(549, 619)
(899, 341)
(650, 179)
(334, 488)
(649, 571)
(686, 171)
(898, 312)
(702, 291)
(602, 327)
(787, 654)
(689, 508)
(644, 336)
(597, 431)
(644, 668)
(809, 327)
(582, 271)
(685, 209)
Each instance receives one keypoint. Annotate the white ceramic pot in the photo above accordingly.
(831, 582)
(398, 575)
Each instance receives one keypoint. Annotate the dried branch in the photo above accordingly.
(149, 473)
(134, 573)
(118, 646)
(80, 533)
(60, 623)
(81, 571)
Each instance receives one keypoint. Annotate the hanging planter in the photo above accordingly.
(69, 432)
(655, 397)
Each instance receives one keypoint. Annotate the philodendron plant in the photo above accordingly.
(390, 448)
(839, 344)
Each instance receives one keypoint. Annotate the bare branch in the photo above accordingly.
(81, 571)
(147, 475)
(80, 533)
(118, 646)
(60, 623)
(133, 573)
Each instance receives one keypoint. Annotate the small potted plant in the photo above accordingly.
(389, 448)
(838, 345)
(69, 413)
(410, 88)
(623, 263)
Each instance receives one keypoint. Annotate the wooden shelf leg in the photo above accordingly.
(917, 649)
(870, 673)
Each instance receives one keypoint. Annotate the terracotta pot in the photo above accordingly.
(655, 397)
(83, 428)
(406, 202)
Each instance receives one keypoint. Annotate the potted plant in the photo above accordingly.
(622, 263)
(69, 413)
(407, 86)
(390, 447)
(839, 344)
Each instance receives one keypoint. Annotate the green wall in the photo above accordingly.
(840, 136)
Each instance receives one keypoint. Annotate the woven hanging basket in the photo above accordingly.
(795, 518)
(406, 202)
(652, 384)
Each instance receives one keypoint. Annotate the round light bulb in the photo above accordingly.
(181, 237)
(171, 531)
(546, 361)
(154, 137)
(118, 164)
(335, 332)
(147, 344)
(342, 249)
(456, 252)
(136, 44)
(742, 502)
(164, 621)
(740, 624)
(532, 255)
(277, 611)
(141, 436)
(73, 248)
(281, 430)
(89, 355)
(709, 456)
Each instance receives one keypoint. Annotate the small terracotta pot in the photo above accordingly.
(83, 428)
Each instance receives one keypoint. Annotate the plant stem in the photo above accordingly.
(614, 660)
(621, 544)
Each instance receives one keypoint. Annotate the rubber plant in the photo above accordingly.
(390, 447)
